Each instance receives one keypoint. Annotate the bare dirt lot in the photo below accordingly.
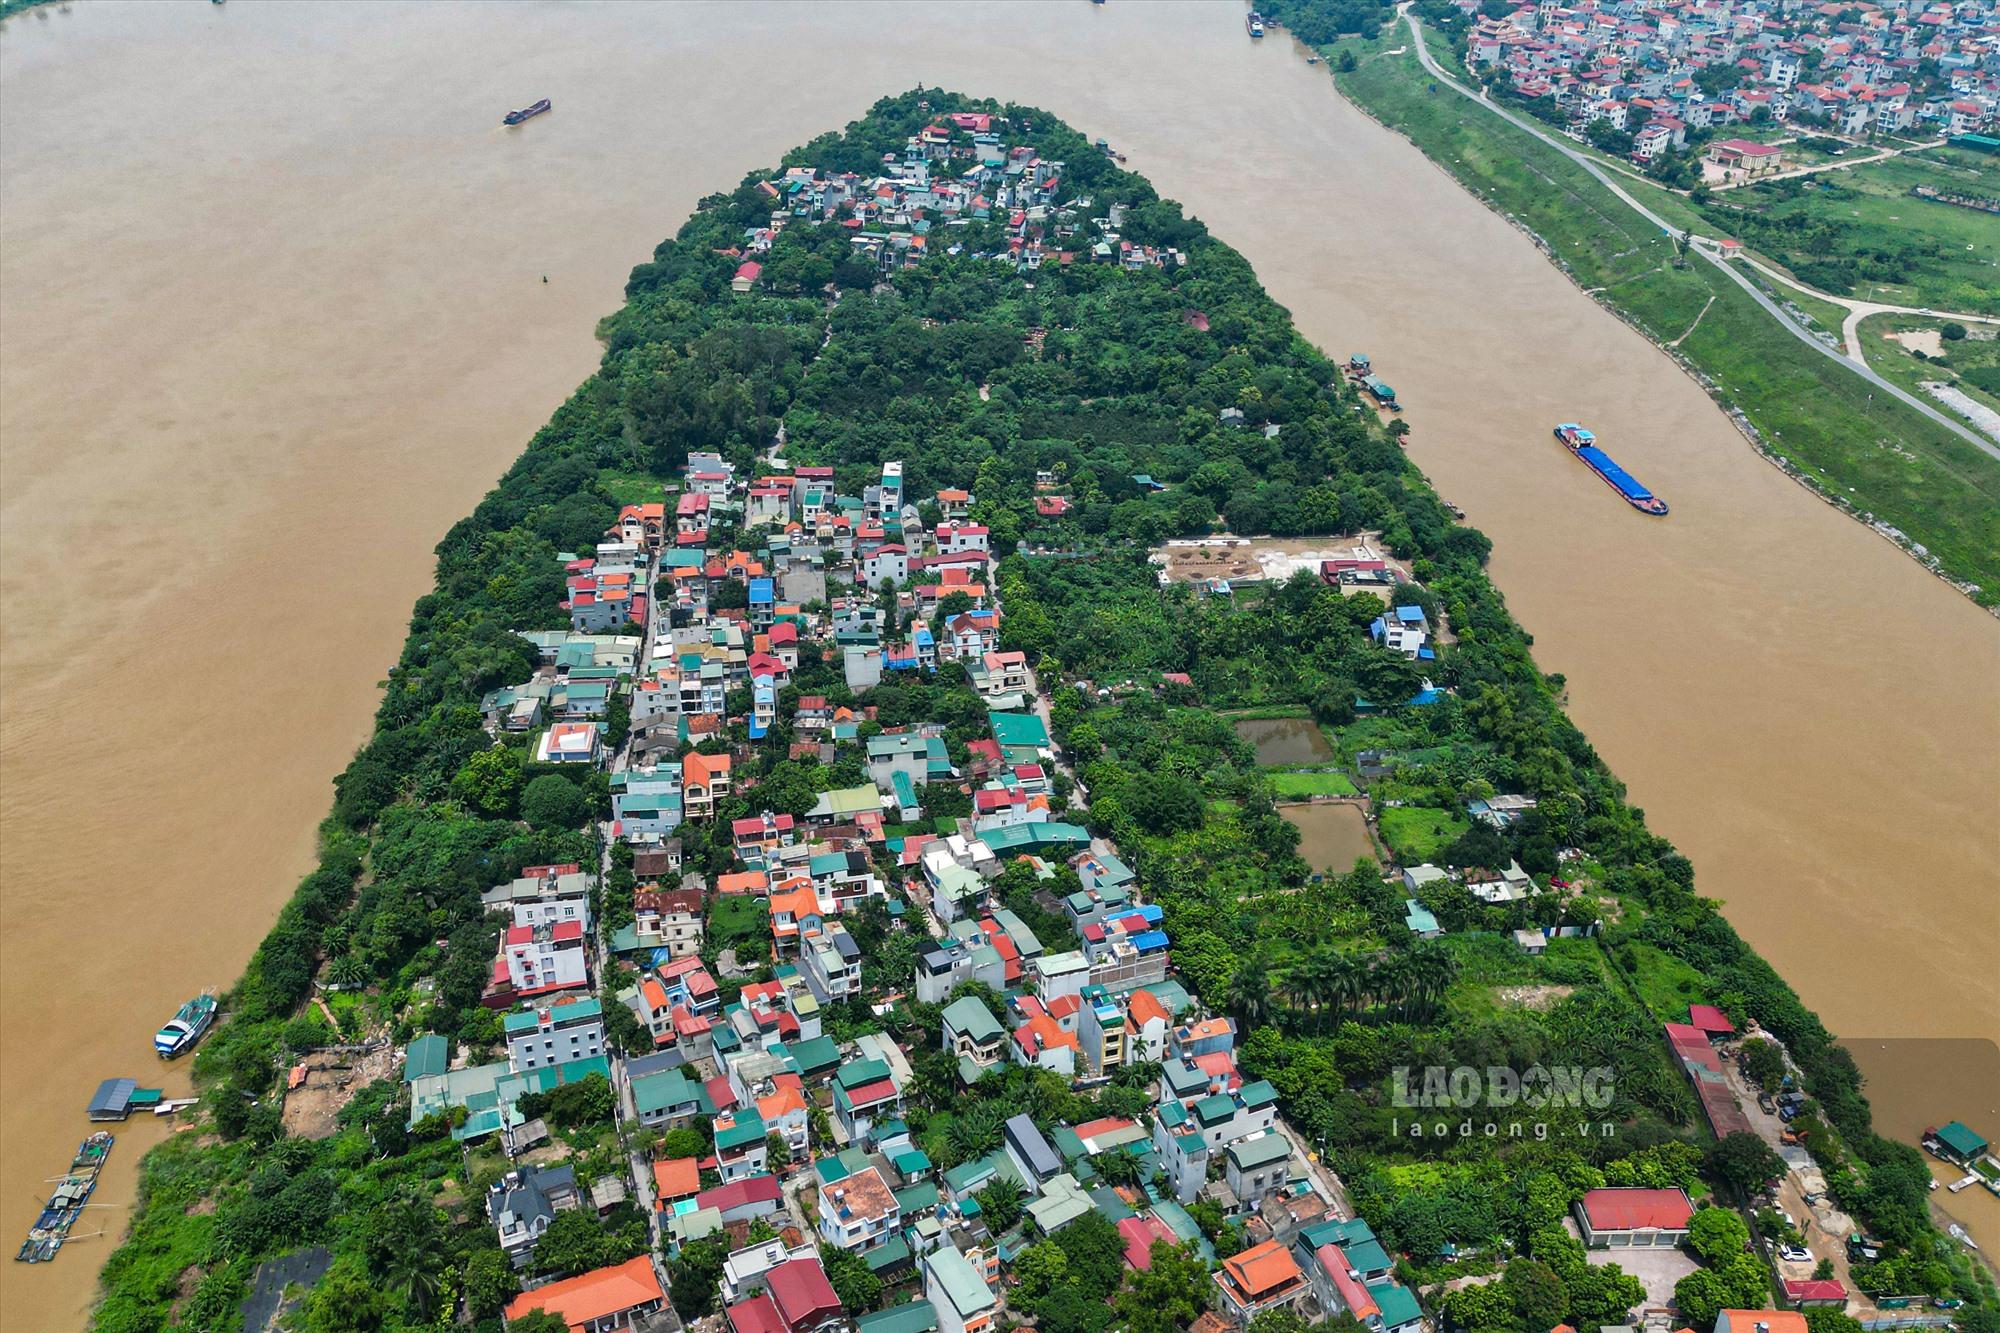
(332, 1079)
(1198, 560)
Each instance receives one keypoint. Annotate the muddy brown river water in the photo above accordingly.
(272, 317)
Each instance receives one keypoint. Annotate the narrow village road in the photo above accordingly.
(1701, 245)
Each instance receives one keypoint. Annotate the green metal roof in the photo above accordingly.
(975, 1020)
(1397, 1304)
(916, 1317)
(814, 1055)
(1022, 729)
(1260, 1151)
(1961, 1139)
(668, 1089)
(890, 1254)
(747, 1129)
(430, 1054)
(961, 1283)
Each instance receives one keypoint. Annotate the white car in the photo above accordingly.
(1797, 1254)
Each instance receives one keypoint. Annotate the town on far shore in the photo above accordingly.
(1650, 80)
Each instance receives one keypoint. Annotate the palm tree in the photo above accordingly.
(1317, 983)
(976, 1129)
(1350, 981)
(1250, 992)
(1432, 970)
(1390, 980)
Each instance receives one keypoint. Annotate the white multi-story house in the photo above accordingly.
(544, 1038)
(859, 1213)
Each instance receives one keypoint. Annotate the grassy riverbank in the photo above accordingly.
(1830, 425)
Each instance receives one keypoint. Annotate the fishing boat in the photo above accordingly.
(1255, 23)
(525, 113)
(1584, 445)
(184, 1029)
(66, 1204)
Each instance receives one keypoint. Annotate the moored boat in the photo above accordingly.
(1584, 445)
(1255, 23)
(184, 1029)
(526, 113)
(71, 1196)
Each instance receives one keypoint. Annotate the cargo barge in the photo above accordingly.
(1584, 445)
(526, 113)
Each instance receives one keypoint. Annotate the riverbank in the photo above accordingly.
(1915, 483)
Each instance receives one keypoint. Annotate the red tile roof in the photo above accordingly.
(1710, 1020)
(1617, 1209)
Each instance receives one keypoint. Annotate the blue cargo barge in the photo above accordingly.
(1584, 445)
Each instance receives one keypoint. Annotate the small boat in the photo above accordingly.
(525, 113)
(1312, 60)
(1958, 1233)
(1255, 23)
(184, 1029)
(1452, 509)
(1966, 1182)
(1584, 445)
(66, 1204)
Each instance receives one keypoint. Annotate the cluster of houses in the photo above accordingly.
(804, 1131)
(958, 170)
(805, 1144)
(1911, 68)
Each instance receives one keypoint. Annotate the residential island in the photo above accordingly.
(813, 871)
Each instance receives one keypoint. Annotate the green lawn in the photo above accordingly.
(1416, 834)
(1665, 983)
(1971, 364)
(738, 919)
(1878, 454)
(1312, 784)
(1860, 232)
(630, 488)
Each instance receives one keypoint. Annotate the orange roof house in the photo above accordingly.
(1263, 1277)
(600, 1295)
(676, 1179)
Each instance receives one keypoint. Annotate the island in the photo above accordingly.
(964, 777)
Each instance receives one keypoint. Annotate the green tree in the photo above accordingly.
(406, 1250)
(489, 1283)
(1167, 1296)
(851, 1278)
(1038, 1270)
(576, 1243)
(1001, 1203)
(1743, 1162)
(693, 1276)
(1717, 1235)
(1536, 1293)
(552, 801)
(490, 782)
(537, 1321)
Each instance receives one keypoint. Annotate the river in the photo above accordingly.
(272, 309)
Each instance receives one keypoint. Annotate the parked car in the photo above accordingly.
(1765, 1104)
(1797, 1254)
